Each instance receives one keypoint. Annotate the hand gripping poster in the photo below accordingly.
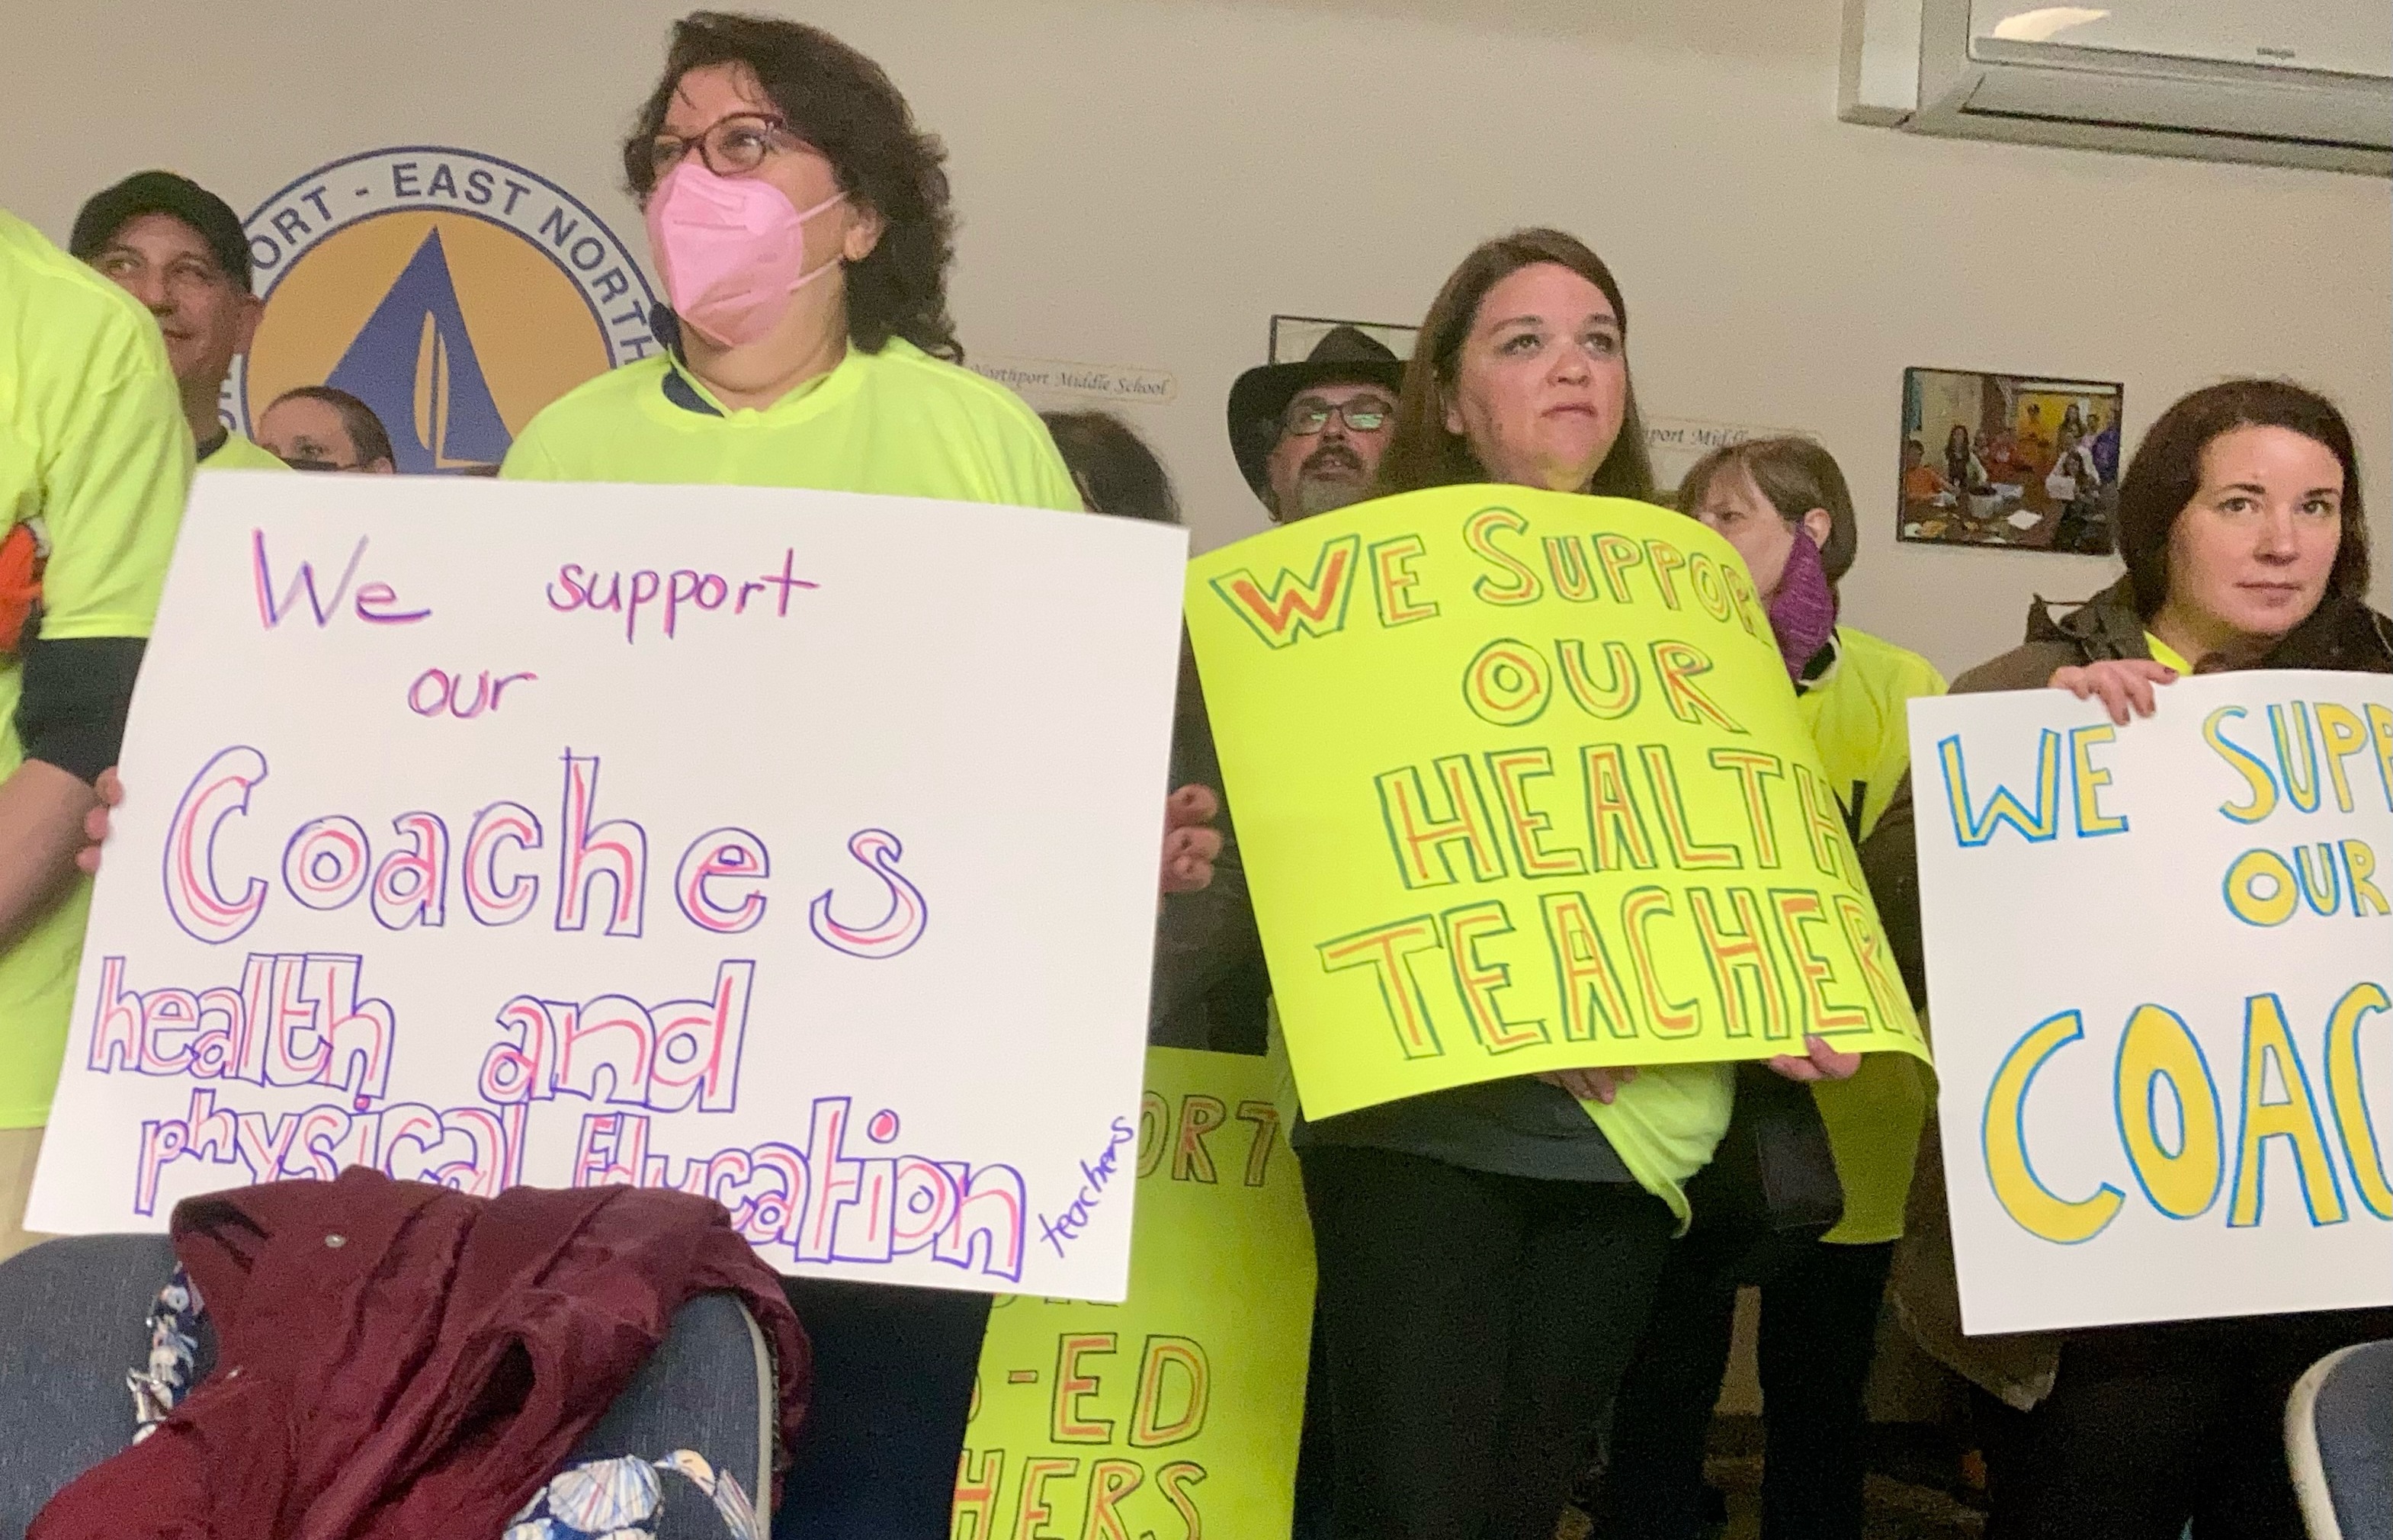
(2160, 967)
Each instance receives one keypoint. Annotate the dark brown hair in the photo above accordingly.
(2167, 473)
(843, 104)
(1794, 475)
(1115, 470)
(365, 429)
(1421, 452)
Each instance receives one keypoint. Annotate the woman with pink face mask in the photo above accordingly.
(799, 222)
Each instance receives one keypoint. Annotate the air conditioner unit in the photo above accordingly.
(2306, 83)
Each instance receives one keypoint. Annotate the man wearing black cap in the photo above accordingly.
(180, 251)
(1308, 434)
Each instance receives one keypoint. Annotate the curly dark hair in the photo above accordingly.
(844, 105)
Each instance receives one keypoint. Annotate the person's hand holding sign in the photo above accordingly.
(95, 823)
(1818, 1061)
(2119, 682)
(1190, 843)
(1592, 1084)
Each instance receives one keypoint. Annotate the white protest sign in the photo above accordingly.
(795, 848)
(2160, 969)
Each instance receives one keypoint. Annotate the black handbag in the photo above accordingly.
(1773, 1171)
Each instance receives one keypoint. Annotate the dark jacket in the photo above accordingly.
(1211, 988)
(2341, 635)
(397, 1359)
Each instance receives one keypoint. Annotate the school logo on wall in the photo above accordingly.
(453, 293)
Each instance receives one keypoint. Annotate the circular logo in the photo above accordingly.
(455, 294)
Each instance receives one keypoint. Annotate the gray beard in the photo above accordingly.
(1317, 496)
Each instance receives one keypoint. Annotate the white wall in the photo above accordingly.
(1143, 182)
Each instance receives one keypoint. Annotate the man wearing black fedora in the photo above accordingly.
(1308, 434)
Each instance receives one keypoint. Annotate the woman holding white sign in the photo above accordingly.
(2240, 521)
(800, 223)
(1487, 1253)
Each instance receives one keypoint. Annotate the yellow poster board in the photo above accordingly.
(1520, 786)
(1173, 1414)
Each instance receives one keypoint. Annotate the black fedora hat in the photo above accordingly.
(1262, 394)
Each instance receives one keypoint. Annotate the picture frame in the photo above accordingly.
(2011, 460)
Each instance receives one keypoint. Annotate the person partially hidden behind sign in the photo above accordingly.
(323, 428)
(1308, 434)
(1785, 506)
(1308, 437)
(180, 251)
(96, 461)
(1487, 1255)
(2239, 522)
(800, 223)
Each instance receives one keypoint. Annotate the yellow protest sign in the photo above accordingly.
(1173, 1414)
(1519, 786)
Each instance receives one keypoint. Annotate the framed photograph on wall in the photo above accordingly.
(2025, 461)
(1293, 338)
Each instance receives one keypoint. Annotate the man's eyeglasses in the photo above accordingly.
(733, 147)
(1363, 414)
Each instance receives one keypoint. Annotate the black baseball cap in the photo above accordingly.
(163, 193)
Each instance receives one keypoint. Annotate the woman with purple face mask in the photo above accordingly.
(799, 222)
(1784, 506)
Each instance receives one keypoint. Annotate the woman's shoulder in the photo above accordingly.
(970, 395)
(1887, 667)
(602, 396)
(2029, 666)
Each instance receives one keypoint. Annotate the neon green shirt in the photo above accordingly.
(1858, 722)
(2166, 656)
(237, 453)
(95, 454)
(897, 421)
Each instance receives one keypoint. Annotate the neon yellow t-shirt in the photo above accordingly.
(237, 453)
(897, 421)
(93, 453)
(2166, 656)
(1858, 722)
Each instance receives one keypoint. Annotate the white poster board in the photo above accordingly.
(2159, 959)
(797, 848)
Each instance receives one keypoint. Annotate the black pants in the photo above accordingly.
(1475, 1327)
(893, 1371)
(1316, 1481)
(1819, 1328)
(2150, 1426)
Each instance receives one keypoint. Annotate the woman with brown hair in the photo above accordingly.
(802, 225)
(2241, 525)
(1487, 1254)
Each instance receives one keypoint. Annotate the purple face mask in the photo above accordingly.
(1803, 611)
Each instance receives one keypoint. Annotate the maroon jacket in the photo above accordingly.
(399, 1360)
